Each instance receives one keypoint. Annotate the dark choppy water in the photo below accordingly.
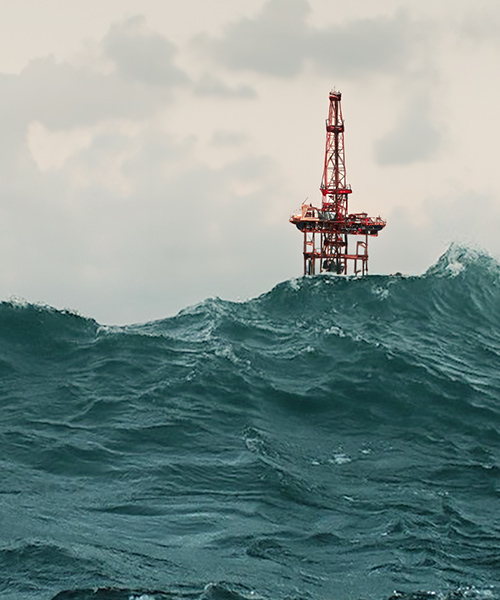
(333, 439)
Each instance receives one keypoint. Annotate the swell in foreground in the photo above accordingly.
(334, 438)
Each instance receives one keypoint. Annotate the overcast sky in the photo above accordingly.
(152, 151)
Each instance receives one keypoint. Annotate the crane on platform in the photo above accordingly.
(327, 229)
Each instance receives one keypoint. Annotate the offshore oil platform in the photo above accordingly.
(327, 229)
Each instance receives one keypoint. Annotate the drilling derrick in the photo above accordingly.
(327, 229)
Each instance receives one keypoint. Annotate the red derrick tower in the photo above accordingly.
(326, 229)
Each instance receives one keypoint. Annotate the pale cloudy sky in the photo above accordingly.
(152, 151)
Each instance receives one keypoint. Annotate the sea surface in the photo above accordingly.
(333, 439)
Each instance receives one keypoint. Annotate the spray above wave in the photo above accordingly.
(334, 437)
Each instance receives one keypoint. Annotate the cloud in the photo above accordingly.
(137, 80)
(61, 95)
(415, 137)
(480, 23)
(271, 43)
(106, 211)
(365, 46)
(278, 41)
(135, 224)
(228, 138)
(142, 55)
(208, 85)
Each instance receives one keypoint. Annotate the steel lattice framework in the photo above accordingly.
(326, 229)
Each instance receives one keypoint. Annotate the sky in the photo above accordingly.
(153, 151)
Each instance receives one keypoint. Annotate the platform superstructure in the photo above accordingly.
(327, 229)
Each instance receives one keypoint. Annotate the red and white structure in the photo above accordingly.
(327, 229)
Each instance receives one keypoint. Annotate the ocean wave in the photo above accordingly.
(333, 437)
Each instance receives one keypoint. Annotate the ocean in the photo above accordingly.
(336, 438)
